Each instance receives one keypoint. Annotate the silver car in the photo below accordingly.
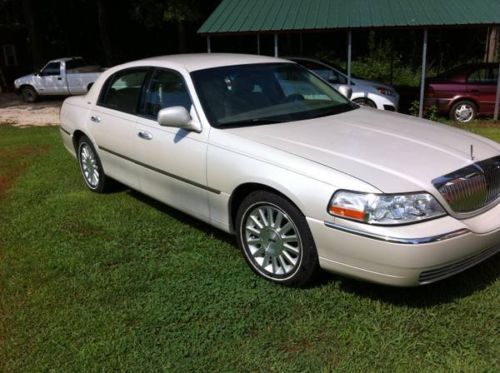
(262, 148)
(364, 92)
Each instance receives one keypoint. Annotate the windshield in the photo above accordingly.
(265, 93)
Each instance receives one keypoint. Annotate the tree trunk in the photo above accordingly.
(33, 34)
(491, 49)
(102, 20)
(181, 36)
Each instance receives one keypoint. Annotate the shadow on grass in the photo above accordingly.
(442, 292)
(445, 291)
(182, 217)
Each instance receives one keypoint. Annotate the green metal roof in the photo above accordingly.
(250, 16)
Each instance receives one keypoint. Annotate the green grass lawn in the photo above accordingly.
(121, 282)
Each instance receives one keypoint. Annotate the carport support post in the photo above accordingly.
(209, 46)
(422, 82)
(275, 45)
(258, 43)
(497, 100)
(349, 57)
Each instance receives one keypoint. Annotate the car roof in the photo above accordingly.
(201, 61)
(64, 59)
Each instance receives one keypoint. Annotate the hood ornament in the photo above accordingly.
(472, 152)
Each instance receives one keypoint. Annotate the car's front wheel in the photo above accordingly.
(363, 101)
(463, 111)
(91, 167)
(275, 239)
(29, 94)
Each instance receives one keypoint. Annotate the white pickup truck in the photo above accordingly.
(60, 77)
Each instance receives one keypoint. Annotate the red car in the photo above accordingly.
(464, 92)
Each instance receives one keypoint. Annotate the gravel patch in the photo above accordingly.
(15, 112)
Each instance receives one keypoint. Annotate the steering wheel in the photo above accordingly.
(294, 97)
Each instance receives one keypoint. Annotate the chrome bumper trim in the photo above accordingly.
(399, 240)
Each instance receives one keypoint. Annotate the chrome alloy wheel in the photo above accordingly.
(273, 243)
(464, 112)
(90, 168)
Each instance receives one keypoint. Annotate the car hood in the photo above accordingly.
(392, 152)
(373, 83)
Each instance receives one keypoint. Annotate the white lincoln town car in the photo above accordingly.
(305, 179)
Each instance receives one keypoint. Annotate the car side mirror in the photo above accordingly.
(177, 116)
(346, 91)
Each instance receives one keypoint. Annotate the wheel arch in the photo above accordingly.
(27, 85)
(243, 190)
(77, 135)
(456, 100)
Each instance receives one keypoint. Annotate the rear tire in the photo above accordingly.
(275, 239)
(29, 94)
(91, 167)
(463, 111)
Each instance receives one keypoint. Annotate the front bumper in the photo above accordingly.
(409, 255)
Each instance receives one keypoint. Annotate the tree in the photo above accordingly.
(102, 21)
(154, 13)
(34, 34)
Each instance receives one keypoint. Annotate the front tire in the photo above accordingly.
(275, 239)
(463, 111)
(29, 94)
(363, 101)
(91, 167)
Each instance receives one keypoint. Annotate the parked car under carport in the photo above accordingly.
(465, 92)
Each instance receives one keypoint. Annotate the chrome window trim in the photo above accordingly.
(399, 240)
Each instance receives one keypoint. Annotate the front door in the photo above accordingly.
(173, 160)
(51, 80)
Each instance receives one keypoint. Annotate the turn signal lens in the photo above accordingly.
(351, 214)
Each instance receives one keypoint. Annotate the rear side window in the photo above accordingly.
(166, 89)
(483, 75)
(122, 90)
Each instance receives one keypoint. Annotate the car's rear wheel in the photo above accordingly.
(91, 167)
(29, 94)
(463, 111)
(363, 101)
(275, 239)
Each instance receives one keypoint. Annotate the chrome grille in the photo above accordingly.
(471, 187)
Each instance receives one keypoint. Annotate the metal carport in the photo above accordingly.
(283, 16)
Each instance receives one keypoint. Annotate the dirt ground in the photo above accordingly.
(13, 111)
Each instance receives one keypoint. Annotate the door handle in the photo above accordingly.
(59, 78)
(145, 135)
(95, 118)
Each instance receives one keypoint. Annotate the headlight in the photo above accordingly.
(385, 91)
(385, 209)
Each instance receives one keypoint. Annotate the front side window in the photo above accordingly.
(166, 89)
(121, 92)
(265, 93)
(52, 69)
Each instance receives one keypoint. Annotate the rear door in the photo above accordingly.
(173, 160)
(112, 124)
(481, 85)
